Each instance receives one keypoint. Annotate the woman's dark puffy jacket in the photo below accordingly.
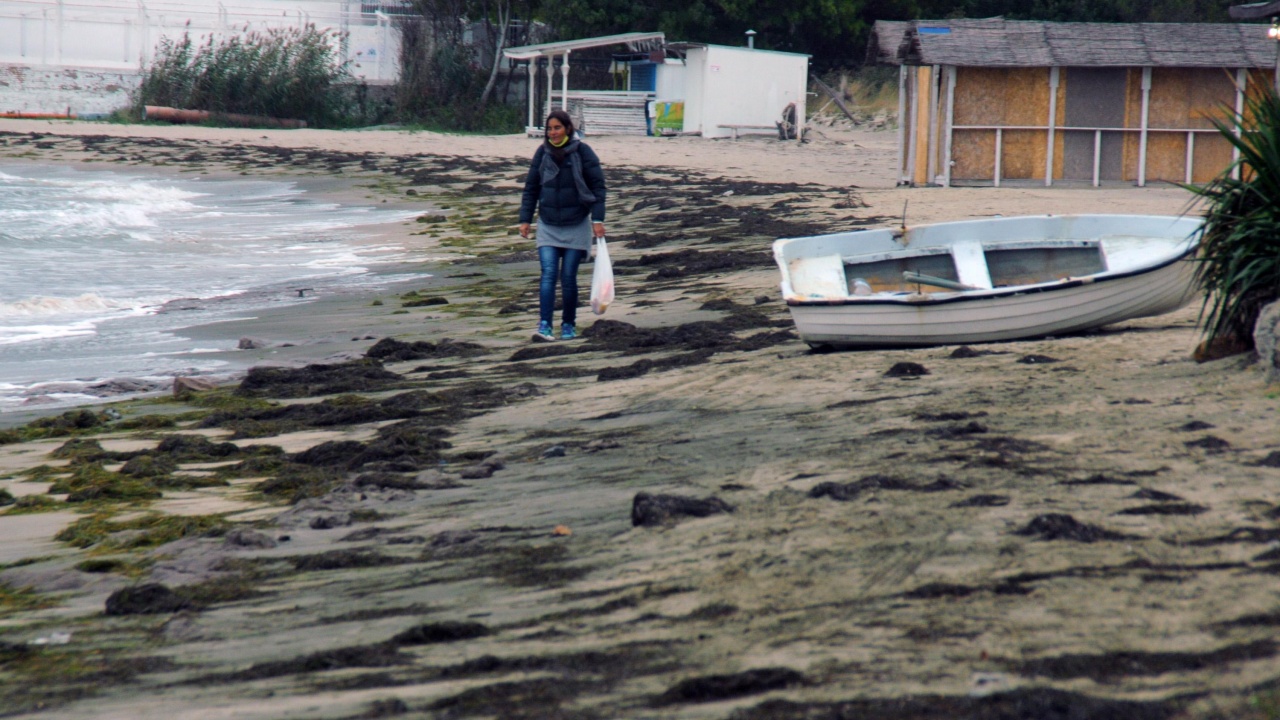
(559, 201)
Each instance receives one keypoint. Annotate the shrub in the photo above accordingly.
(281, 73)
(440, 84)
(1239, 259)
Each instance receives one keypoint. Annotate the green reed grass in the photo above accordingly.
(293, 73)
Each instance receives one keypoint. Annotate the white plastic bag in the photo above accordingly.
(601, 280)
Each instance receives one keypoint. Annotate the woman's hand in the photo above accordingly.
(524, 230)
(597, 229)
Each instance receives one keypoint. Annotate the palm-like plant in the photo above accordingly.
(1239, 259)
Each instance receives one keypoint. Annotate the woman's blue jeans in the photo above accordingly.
(564, 263)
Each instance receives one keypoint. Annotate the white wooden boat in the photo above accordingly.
(985, 280)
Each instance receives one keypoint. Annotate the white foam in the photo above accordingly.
(31, 333)
(44, 306)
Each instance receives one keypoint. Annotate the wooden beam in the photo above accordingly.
(835, 97)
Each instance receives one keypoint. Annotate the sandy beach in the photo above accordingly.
(685, 514)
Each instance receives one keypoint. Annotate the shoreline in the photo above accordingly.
(380, 277)
(1086, 533)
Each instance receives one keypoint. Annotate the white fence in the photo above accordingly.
(122, 35)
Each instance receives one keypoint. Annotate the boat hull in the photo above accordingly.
(1047, 311)
(1055, 308)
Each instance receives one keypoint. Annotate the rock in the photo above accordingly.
(183, 386)
(425, 302)
(649, 510)
(440, 632)
(121, 386)
(906, 369)
(1059, 526)
(554, 451)
(244, 537)
(1266, 340)
(479, 471)
(248, 343)
(453, 538)
(329, 522)
(149, 599)
(711, 688)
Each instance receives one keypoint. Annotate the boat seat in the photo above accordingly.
(821, 277)
(971, 264)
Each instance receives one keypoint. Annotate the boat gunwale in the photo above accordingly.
(919, 299)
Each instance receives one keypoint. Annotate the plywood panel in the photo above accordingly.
(1166, 157)
(1213, 93)
(1170, 97)
(1095, 98)
(1079, 155)
(1132, 119)
(1023, 154)
(1027, 96)
(974, 154)
(980, 96)
(1258, 81)
(1002, 97)
(1059, 118)
(1212, 155)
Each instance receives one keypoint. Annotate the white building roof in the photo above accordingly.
(528, 52)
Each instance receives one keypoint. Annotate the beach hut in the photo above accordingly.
(728, 91)
(680, 87)
(993, 102)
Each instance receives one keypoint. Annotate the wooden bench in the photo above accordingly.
(737, 129)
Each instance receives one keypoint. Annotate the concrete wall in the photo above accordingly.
(30, 89)
(671, 77)
(85, 55)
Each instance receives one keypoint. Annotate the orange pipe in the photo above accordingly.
(36, 116)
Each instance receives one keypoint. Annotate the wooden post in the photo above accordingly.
(1097, 157)
(1142, 135)
(999, 142)
(951, 118)
(1053, 117)
(551, 61)
(1242, 85)
(902, 123)
(529, 88)
(931, 166)
(564, 83)
(1191, 151)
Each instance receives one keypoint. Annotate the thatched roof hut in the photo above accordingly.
(993, 101)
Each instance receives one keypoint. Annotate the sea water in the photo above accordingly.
(93, 265)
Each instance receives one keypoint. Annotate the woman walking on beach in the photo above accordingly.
(566, 183)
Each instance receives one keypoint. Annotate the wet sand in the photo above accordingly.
(686, 514)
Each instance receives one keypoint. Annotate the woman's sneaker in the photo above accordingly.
(544, 332)
(568, 332)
